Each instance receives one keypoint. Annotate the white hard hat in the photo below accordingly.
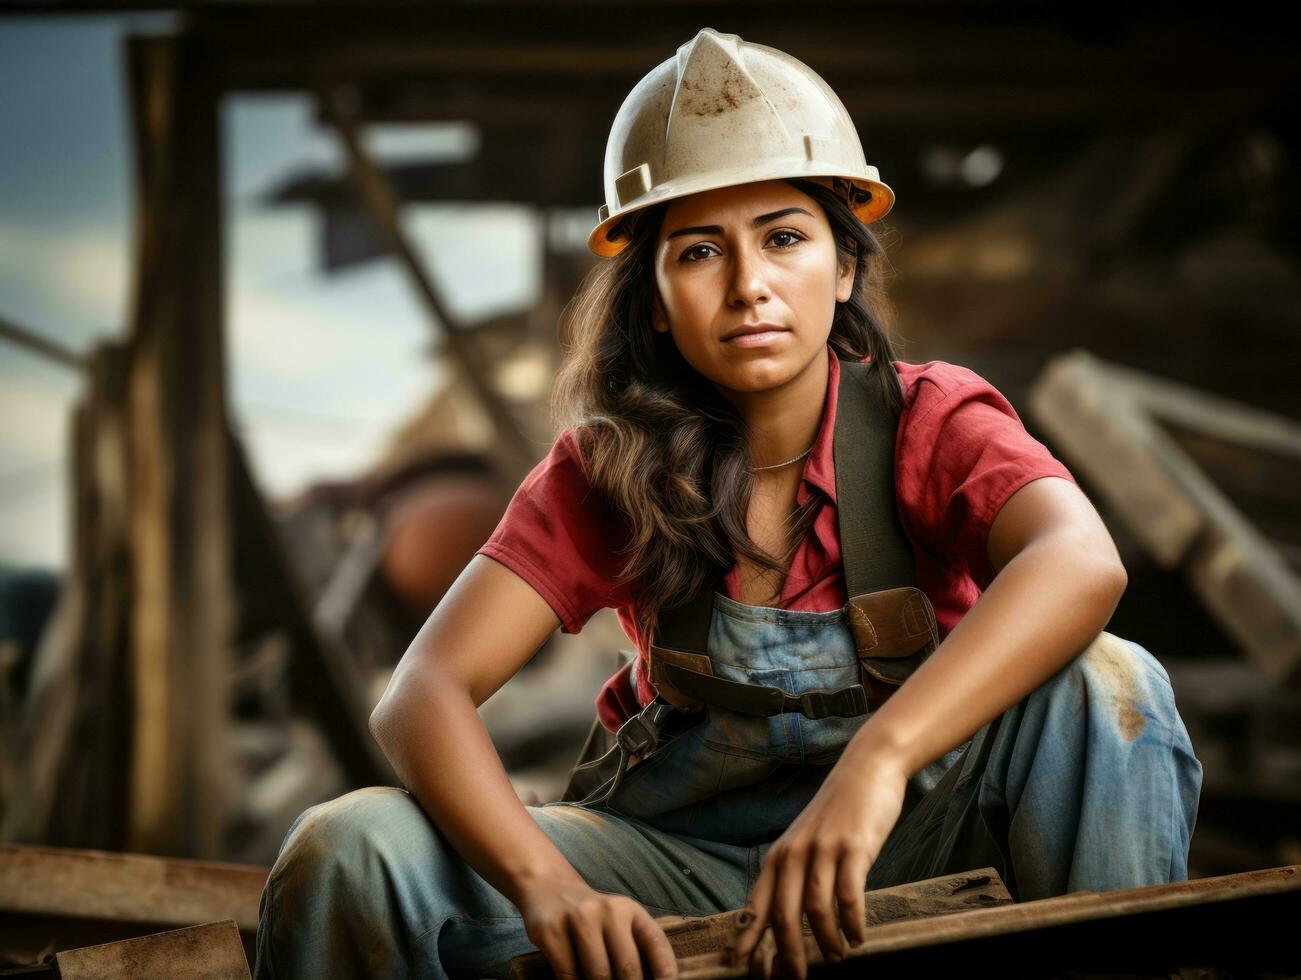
(722, 112)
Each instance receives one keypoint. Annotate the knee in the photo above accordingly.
(344, 842)
(338, 896)
(1122, 687)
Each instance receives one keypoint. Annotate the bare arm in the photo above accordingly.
(1058, 580)
(487, 626)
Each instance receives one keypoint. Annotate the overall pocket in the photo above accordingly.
(894, 632)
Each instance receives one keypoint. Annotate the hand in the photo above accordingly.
(819, 865)
(607, 934)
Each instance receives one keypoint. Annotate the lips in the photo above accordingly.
(752, 328)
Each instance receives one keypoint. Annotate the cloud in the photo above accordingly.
(78, 273)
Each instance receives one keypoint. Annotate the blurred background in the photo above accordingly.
(281, 295)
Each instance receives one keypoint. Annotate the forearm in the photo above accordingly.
(432, 734)
(1042, 609)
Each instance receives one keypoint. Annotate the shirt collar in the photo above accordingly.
(820, 467)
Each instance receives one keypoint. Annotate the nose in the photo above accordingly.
(749, 284)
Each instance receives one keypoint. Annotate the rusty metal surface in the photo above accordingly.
(72, 883)
(208, 952)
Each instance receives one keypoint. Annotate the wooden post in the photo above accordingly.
(181, 569)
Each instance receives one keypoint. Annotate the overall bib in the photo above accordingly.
(1089, 782)
(741, 779)
(756, 703)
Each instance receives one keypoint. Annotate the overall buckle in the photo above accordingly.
(637, 734)
(846, 702)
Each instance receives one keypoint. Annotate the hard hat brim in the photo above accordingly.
(601, 243)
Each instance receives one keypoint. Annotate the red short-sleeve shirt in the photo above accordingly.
(960, 452)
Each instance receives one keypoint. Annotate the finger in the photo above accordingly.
(763, 960)
(625, 960)
(757, 909)
(655, 944)
(788, 914)
(820, 903)
(559, 951)
(851, 883)
(588, 936)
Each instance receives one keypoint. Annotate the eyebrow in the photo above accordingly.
(763, 219)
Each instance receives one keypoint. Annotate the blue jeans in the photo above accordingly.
(1089, 782)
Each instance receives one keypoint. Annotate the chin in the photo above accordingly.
(756, 371)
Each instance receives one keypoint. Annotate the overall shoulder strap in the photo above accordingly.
(686, 627)
(876, 553)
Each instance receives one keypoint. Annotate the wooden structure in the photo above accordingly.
(128, 741)
(66, 900)
(1114, 424)
(206, 952)
(1222, 926)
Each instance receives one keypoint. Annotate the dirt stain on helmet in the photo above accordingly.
(725, 94)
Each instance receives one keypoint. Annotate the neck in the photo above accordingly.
(783, 421)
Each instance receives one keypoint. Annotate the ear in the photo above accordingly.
(846, 266)
(659, 319)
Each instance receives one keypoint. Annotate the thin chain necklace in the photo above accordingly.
(777, 466)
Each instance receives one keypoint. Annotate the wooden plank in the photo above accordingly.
(73, 883)
(1106, 435)
(1058, 74)
(206, 952)
(699, 939)
(1029, 917)
(1205, 411)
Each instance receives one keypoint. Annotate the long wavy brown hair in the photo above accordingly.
(655, 437)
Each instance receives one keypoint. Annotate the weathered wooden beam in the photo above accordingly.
(85, 884)
(92, 806)
(181, 570)
(206, 952)
(1025, 67)
(32, 341)
(72, 745)
(1106, 420)
(698, 939)
(332, 686)
(1278, 889)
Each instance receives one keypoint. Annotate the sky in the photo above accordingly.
(320, 368)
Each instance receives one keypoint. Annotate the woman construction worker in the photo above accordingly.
(867, 605)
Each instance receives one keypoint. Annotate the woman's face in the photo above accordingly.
(728, 259)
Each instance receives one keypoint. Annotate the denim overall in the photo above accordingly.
(1088, 783)
(742, 779)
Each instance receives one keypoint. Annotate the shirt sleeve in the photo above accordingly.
(617, 701)
(962, 452)
(560, 536)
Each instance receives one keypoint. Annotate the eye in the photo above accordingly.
(687, 256)
(794, 236)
